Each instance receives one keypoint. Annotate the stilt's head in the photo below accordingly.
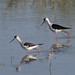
(15, 37)
(45, 20)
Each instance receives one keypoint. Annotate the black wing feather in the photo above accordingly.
(56, 26)
(29, 44)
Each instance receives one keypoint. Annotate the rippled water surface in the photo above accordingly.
(23, 18)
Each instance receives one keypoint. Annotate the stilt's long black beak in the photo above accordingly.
(42, 23)
(11, 40)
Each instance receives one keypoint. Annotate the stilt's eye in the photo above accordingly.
(44, 19)
(15, 37)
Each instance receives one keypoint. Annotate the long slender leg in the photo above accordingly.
(68, 35)
(56, 38)
(36, 54)
(28, 52)
(37, 49)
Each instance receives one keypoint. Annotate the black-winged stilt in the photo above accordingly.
(26, 45)
(56, 28)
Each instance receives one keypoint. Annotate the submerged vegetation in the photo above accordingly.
(44, 3)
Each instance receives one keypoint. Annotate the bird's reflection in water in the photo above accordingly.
(25, 60)
(50, 55)
(59, 47)
(55, 48)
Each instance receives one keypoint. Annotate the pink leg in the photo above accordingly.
(38, 50)
(56, 38)
(68, 35)
(28, 52)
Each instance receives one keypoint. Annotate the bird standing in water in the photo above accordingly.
(26, 45)
(56, 28)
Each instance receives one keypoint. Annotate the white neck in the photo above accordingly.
(19, 40)
(48, 22)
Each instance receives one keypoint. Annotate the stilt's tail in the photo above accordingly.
(40, 44)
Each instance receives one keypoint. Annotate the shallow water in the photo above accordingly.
(23, 18)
